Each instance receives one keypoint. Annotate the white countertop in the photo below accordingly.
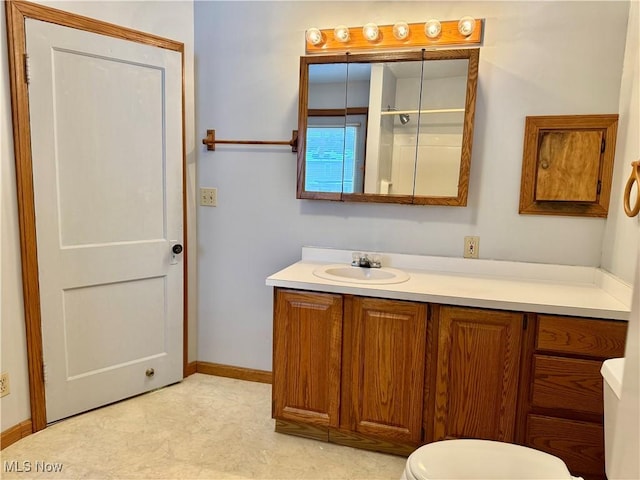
(518, 286)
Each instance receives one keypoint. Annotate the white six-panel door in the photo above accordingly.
(106, 125)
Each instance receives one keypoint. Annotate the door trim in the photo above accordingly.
(17, 11)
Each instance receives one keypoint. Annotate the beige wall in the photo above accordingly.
(621, 235)
(620, 249)
(15, 406)
(537, 58)
(171, 19)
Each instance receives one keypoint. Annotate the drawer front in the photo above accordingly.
(567, 383)
(579, 444)
(579, 336)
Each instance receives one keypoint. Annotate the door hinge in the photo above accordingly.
(603, 145)
(44, 372)
(599, 187)
(525, 322)
(27, 70)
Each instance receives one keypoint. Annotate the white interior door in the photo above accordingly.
(106, 125)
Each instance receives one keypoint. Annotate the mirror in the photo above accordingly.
(383, 127)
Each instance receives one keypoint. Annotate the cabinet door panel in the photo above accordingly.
(307, 354)
(569, 165)
(477, 374)
(388, 359)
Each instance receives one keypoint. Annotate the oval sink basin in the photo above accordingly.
(346, 273)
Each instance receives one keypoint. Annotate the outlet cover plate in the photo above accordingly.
(4, 385)
(471, 247)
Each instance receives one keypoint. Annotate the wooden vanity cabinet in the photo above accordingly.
(564, 414)
(390, 375)
(349, 370)
(477, 373)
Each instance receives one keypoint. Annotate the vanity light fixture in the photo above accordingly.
(466, 31)
(466, 25)
(401, 30)
(433, 28)
(315, 36)
(370, 32)
(341, 33)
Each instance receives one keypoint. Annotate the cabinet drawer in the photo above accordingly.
(579, 444)
(579, 336)
(567, 383)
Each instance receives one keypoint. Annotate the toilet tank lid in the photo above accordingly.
(612, 371)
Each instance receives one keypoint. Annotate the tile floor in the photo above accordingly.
(205, 427)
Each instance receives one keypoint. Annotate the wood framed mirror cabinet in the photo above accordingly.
(393, 127)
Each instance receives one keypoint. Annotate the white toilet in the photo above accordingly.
(474, 459)
(612, 371)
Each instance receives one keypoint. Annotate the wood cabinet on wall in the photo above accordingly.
(478, 365)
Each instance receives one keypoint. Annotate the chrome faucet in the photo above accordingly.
(363, 260)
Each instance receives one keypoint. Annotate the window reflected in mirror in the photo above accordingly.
(335, 152)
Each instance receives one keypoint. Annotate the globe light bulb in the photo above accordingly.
(314, 36)
(432, 28)
(401, 30)
(466, 25)
(341, 33)
(370, 32)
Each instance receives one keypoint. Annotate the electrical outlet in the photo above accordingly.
(471, 247)
(209, 197)
(4, 385)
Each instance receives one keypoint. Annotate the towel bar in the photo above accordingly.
(210, 141)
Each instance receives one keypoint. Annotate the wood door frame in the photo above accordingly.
(17, 11)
